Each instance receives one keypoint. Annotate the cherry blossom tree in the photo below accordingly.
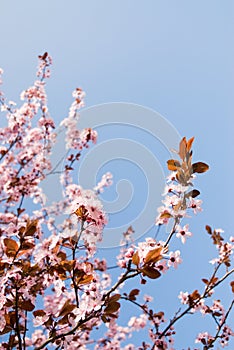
(54, 290)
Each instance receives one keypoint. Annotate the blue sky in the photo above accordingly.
(173, 57)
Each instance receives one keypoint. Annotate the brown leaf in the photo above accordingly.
(62, 255)
(159, 315)
(208, 229)
(217, 238)
(205, 281)
(20, 211)
(232, 286)
(112, 307)
(104, 319)
(173, 164)
(135, 259)
(64, 320)
(200, 167)
(193, 297)
(182, 148)
(153, 255)
(39, 313)
(165, 215)
(68, 264)
(67, 308)
(31, 228)
(11, 246)
(217, 314)
(81, 212)
(114, 297)
(189, 143)
(133, 293)
(27, 245)
(26, 305)
(84, 279)
(150, 272)
(193, 194)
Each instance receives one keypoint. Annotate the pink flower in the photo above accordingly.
(162, 266)
(138, 322)
(174, 259)
(195, 205)
(148, 298)
(183, 296)
(106, 181)
(204, 338)
(182, 233)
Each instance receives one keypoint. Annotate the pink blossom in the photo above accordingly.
(183, 296)
(195, 205)
(174, 259)
(138, 322)
(162, 266)
(148, 298)
(106, 181)
(204, 338)
(182, 233)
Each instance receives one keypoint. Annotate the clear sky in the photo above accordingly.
(175, 57)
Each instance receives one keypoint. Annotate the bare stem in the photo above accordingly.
(17, 324)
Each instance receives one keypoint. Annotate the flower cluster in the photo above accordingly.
(75, 138)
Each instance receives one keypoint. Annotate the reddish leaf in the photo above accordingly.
(104, 319)
(114, 297)
(27, 245)
(193, 194)
(189, 143)
(85, 279)
(62, 255)
(135, 259)
(217, 238)
(159, 315)
(39, 313)
(173, 164)
(133, 293)
(64, 320)
(11, 247)
(67, 308)
(200, 167)
(208, 229)
(112, 307)
(182, 148)
(81, 212)
(232, 286)
(68, 265)
(153, 255)
(11, 244)
(165, 215)
(205, 281)
(26, 305)
(20, 211)
(150, 272)
(31, 228)
(193, 297)
(216, 313)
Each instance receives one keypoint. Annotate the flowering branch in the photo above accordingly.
(58, 264)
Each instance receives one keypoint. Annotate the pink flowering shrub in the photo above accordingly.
(54, 290)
